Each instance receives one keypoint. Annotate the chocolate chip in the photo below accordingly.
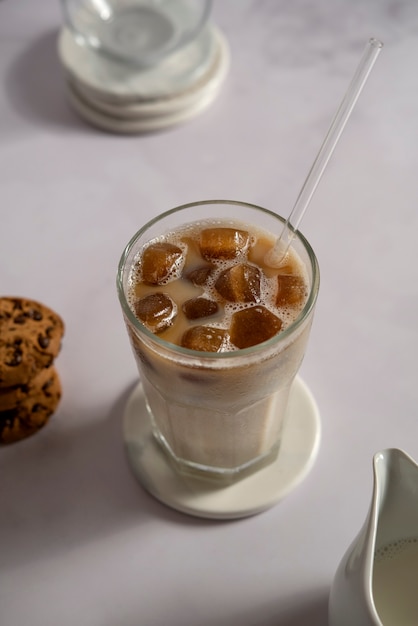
(8, 417)
(37, 407)
(20, 319)
(16, 358)
(46, 386)
(43, 341)
(34, 314)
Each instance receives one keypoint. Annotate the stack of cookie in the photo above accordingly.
(30, 388)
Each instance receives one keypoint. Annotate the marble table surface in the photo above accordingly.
(81, 543)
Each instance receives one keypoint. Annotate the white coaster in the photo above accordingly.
(120, 83)
(140, 125)
(141, 116)
(205, 90)
(248, 496)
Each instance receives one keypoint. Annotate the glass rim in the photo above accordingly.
(278, 338)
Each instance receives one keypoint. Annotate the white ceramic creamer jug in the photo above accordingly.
(376, 583)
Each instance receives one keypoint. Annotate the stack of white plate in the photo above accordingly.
(120, 98)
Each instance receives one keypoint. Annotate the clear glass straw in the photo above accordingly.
(371, 52)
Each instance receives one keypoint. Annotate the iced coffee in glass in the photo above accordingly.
(218, 335)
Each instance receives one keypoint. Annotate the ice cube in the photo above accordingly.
(200, 275)
(204, 338)
(291, 290)
(223, 243)
(252, 326)
(239, 283)
(199, 307)
(159, 261)
(157, 311)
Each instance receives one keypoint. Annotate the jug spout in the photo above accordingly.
(392, 520)
(396, 479)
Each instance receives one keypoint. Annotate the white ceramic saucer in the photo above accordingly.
(120, 83)
(248, 496)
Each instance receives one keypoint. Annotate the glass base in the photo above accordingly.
(136, 33)
(219, 474)
(255, 492)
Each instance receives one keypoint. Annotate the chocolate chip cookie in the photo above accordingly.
(30, 339)
(32, 411)
(10, 397)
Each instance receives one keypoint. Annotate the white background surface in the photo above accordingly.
(80, 542)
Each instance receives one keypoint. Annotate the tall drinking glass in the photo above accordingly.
(218, 413)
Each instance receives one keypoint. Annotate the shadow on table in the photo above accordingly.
(35, 85)
(305, 611)
(67, 486)
(302, 610)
